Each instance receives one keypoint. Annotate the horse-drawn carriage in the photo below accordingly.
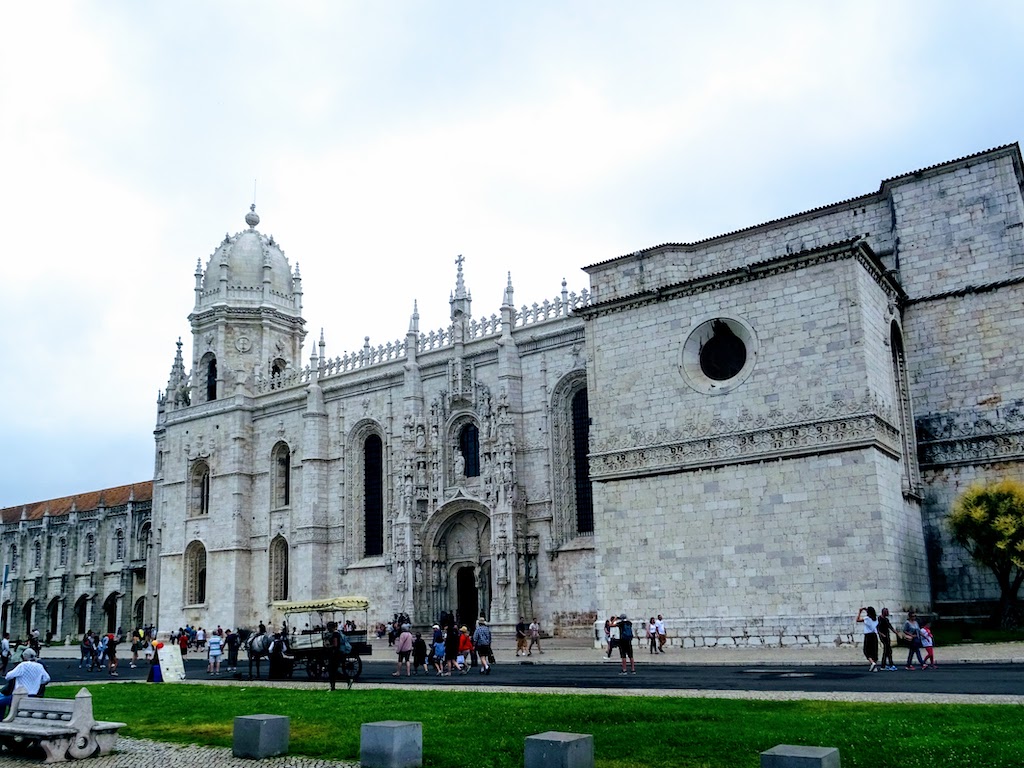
(309, 644)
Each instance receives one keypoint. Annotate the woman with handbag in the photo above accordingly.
(912, 634)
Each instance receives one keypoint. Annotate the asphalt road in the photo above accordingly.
(968, 678)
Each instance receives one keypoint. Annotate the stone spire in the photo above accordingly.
(177, 381)
(461, 299)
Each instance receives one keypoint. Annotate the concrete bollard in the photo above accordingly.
(259, 736)
(391, 744)
(554, 749)
(792, 756)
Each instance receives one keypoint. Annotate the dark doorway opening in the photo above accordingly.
(469, 602)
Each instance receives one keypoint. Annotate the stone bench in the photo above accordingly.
(259, 736)
(391, 744)
(64, 729)
(555, 749)
(794, 756)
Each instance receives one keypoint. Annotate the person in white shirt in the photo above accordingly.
(659, 626)
(870, 636)
(29, 674)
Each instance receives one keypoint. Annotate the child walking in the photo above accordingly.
(927, 645)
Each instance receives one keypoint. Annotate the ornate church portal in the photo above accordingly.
(461, 563)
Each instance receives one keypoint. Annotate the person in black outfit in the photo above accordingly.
(336, 656)
(884, 628)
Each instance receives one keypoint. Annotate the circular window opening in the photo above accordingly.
(718, 355)
(724, 354)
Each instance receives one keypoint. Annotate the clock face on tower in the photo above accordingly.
(242, 344)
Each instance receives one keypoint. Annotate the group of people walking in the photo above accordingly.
(452, 649)
(877, 628)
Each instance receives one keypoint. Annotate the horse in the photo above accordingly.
(257, 646)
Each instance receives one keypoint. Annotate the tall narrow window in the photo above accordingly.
(63, 557)
(195, 574)
(208, 369)
(469, 445)
(373, 505)
(119, 545)
(581, 464)
(911, 475)
(13, 558)
(200, 491)
(279, 569)
(37, 555)
(90, 548)
(281, 476)
(145, 532)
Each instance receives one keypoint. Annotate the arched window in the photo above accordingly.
(145, 534)
(279, 569)
(37, 555)
(90, 548)
(571, 486)
(373, 496)
(281, 476)
(581, 464)
(199, 500)
(195, 573)
(904, 412)
(62, 545)
(208, 369)
(119, 545)
(12, 558)
(469, 446)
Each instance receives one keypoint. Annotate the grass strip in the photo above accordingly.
(486, 730)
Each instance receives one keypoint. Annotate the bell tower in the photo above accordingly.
(247, 320)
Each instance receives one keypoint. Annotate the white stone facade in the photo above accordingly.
(747, 403)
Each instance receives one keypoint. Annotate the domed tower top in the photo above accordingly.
(249, 269)
(247, 318)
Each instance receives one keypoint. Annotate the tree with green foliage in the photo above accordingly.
(988, 521)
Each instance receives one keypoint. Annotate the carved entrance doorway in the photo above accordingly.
(469, 596)
(458, 554)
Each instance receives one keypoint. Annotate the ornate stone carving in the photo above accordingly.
(776, 434)
(972, 435)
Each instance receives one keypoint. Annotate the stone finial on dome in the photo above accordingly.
(252, 218)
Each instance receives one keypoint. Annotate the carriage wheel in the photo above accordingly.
(352, 666)
(315, 669)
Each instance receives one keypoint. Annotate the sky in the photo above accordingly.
(380, 140)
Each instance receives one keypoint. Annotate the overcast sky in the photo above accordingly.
(387, 138)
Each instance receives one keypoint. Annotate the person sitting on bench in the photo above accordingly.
(29, 674)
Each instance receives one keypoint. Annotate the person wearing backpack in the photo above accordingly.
(626, 644)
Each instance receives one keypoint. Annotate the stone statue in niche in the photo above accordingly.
(460, 464)
(400, 576)
(521, 569)
(419, 572)
(502, 569)
(421, 438)
(532, 571)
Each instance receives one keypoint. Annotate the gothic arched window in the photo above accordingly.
(373, 496)
(195, 573)
(281, 476)
(199, 496)
(119, 545)
(37, 555)
(208, 369)
(90, 548)
(469, 446)
(62, 545)
(13, 558)
(580, 451)
(279, 569)
(904, 412)
(145, 533)
(570, 432)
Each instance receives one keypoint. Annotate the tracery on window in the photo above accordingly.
(199, 501)
(278, 569)
(62, 557)
(90, 548)
(12, 558)
(281, 478)
(119, 545)
(195, 573)
(572, 488)
(37, 555)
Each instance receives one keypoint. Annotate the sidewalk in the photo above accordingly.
(561, 650)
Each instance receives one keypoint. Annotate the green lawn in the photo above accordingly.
(488, 729)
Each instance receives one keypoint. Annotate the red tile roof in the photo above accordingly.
(82, 502)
